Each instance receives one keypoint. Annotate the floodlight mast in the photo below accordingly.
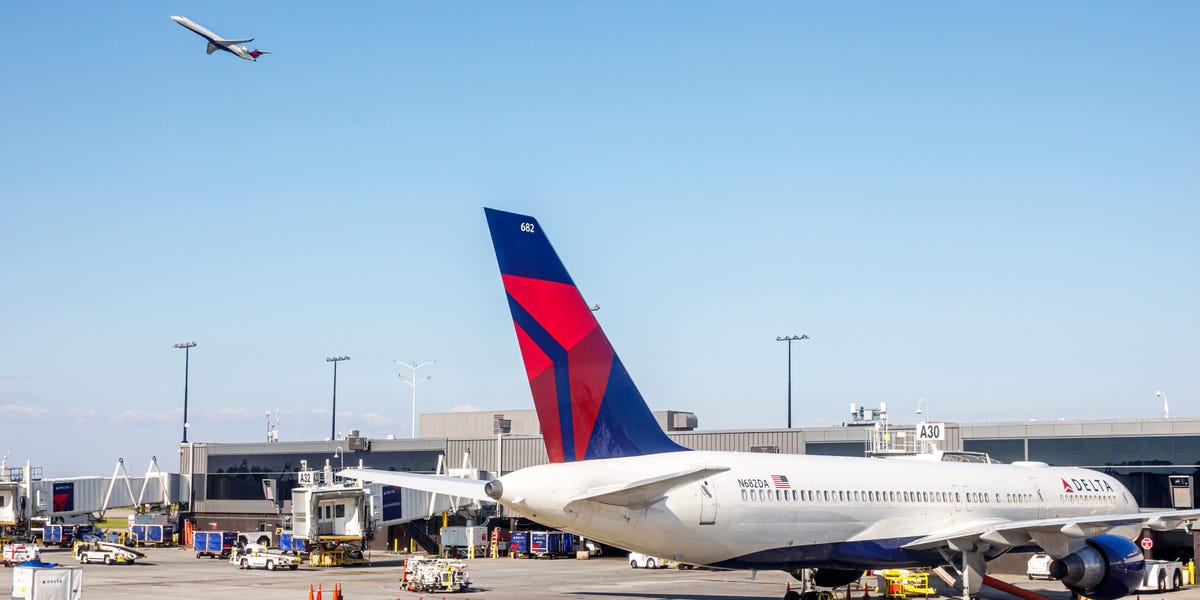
(333, 422)
(789, 339)
(413, 382)
(187, 348)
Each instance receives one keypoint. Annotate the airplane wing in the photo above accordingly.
(232, 42)
(438, 484)
(646, 491)
(1058, 537)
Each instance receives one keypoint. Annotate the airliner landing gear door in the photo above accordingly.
(708, 504)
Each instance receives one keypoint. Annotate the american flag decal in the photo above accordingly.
(780, 481)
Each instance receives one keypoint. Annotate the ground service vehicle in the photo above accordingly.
(254, 556)
(1162, 575)
(435, 575)
(637, 560)
(1038, 566)
(105, 552)
(15, 554)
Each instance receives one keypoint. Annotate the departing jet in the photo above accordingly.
(614, 475)
(216, 42)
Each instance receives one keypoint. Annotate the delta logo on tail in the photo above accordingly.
(567, 355)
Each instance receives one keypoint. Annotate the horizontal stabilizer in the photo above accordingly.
(438, 484)
(646, 491)
(213, 47)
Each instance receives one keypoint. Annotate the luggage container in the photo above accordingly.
(551, 544)
(213, 544)
(47, 583)
(148, 535)
(518, 544)
(56, 535)
(288, 542)
(463, 542)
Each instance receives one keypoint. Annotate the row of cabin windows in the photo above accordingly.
(764, 494)
(1087, 499)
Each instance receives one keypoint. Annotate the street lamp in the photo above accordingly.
(1166, 413)
(187, 349)
(333, 423)
(919, 411)
(413, 383)
(789, 339)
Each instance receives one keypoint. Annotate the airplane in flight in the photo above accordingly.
(616, 477)
(216, 42)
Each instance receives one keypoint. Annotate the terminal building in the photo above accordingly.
(224, 483)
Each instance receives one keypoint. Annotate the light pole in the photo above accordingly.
(921, 412)
(413, 383)
(187, 349)
(333, 422)
(789, 339)
(1166, 412)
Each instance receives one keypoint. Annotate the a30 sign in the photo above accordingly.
(931, 431)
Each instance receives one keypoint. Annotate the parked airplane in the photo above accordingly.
(216, 42)
(615, 476)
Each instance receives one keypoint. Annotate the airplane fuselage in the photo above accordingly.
(215, 41)
(789, 511)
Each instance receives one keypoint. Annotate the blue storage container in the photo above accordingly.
(52, 534)
(147, 534)
(551, 543)
(213, 543)
(518, 544)
(288, 542)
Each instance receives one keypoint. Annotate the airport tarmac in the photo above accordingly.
(176, 573)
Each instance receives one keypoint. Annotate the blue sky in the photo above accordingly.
(991, 206)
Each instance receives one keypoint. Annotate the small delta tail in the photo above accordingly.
(586, 403)
(257, 53)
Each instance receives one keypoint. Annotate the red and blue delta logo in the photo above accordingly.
(1086, 485)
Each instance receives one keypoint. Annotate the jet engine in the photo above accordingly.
(1109, 567)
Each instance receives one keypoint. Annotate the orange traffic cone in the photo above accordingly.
(310, 592)
(319, 592)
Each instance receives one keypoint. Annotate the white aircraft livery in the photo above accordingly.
(615, 476)
(216, 42)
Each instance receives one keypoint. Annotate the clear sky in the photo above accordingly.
(992, 206)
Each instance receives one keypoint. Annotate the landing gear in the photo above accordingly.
(971, 567)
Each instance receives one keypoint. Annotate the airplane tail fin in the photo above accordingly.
(587, 405)
(257, 53)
